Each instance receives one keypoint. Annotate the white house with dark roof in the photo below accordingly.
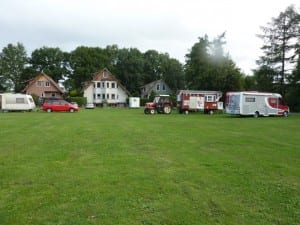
(105, 88)
(158, 87)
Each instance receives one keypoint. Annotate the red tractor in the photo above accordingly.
(160, 104)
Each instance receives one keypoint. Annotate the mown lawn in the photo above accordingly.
(119, 166)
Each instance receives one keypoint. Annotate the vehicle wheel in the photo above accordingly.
(152, 111)
(256, 114)
(71, 110)
(285, 114)
(146, 111)
(49, 110)
(167, 109)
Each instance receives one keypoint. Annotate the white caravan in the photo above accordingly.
(255, 103)
(16, 102)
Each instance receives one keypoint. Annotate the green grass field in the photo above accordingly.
(119, 166)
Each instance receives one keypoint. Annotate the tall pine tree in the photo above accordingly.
(281, 36)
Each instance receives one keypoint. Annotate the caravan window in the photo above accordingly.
(210, 98)
(20, 100)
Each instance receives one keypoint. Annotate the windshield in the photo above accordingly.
(156, 99)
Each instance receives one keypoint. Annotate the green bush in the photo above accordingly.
(81, 101)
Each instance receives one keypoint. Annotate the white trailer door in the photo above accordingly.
(196, 102)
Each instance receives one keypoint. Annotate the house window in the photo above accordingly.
(113, 85)
(113, 96)
(164, 87)
(103, 84)
(98, 84)
(105, 74)
(47, 84)
(107, 84)
(39, 83)
(157, 87)
(98, 95)
(107, 96)
(103, 96)
(53, 95)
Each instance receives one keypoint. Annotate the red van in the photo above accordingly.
(59, 105)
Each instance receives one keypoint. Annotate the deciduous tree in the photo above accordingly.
(13, 61)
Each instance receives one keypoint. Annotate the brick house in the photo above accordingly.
(44, 87)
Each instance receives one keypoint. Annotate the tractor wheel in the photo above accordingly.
(167, 109)
(146, 111)
(152, 111)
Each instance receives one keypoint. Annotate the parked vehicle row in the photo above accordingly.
(246, 103)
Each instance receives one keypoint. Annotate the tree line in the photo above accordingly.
(207, 66)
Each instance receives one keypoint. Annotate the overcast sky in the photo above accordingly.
(168, 26)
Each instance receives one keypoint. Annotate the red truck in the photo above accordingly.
(193, 100)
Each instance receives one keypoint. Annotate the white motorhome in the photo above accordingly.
(255, 103)
(16, 102)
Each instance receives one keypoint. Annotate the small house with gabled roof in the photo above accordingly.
(44, 87)
(158, 87)
(105, 88)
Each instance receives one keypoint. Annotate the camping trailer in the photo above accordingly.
(255, 104)
(194, 100)
(16, 102)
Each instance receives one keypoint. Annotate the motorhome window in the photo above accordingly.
(20, 100)
(273, 101)
(249, 99)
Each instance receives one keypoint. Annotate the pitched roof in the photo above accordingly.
(104, 75)
(32, 81)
